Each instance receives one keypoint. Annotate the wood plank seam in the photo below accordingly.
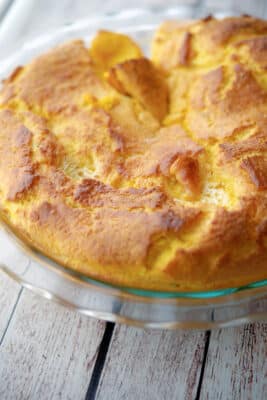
(48, 352)
(201, 377)
(100, 361)
(11, 315)
(236, 366)
(6, 9)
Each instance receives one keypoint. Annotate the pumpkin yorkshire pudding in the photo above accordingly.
(145, 173)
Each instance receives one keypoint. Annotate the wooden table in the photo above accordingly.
(49, 352)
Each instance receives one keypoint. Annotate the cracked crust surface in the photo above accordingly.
(148, 173)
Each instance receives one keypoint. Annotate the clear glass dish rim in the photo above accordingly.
(257, 288)
(254, 289)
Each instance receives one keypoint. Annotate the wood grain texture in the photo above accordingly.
(236, 366)
(147, 364)
(48, 352)
(9, 292)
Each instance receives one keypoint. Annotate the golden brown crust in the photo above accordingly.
(140, 79)
(144, 173)
(56, 81)
(256, 167)
(185, 50)
(18, 171)
(256, 142)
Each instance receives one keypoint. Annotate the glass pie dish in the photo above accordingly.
(33, 270)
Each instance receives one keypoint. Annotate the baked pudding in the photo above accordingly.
(143, 172)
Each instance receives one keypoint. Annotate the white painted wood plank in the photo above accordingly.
(27, 18)
(236, 365)
(147, 364)
(9, 291)
(48, 352)
(255, 7)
